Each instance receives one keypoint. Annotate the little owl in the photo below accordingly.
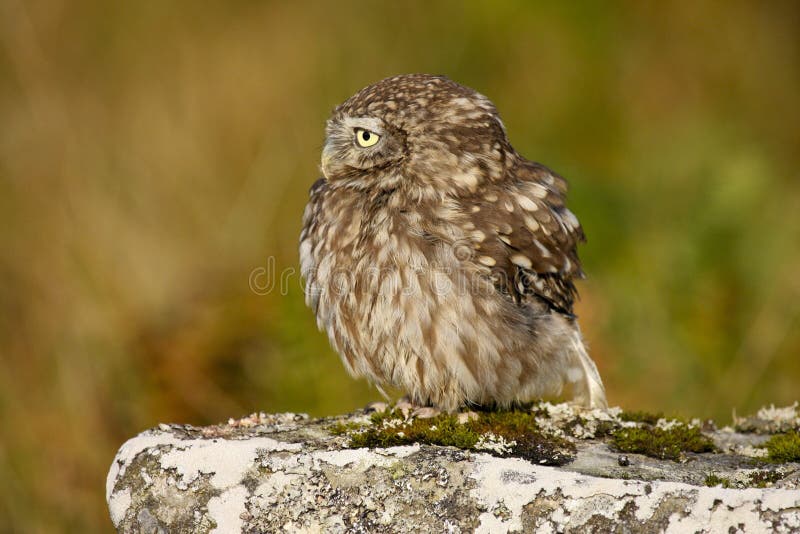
(438, 259)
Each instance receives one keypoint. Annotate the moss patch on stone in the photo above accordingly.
(663, 443)
(641, 417)
(600, 429)
(782, 448)
(763, 479)
(714, 480)
(756, 479)
(506, 433)
(341, 429)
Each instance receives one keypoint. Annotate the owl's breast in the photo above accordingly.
(368, 270)
(401, 304)
(363, 257)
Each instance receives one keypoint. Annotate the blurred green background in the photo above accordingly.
(154, 155)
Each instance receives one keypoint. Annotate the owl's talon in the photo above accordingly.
(465, 417)
(379, 407)
(405, 407)
(425, 412)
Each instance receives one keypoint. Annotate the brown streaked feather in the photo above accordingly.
(530, 234)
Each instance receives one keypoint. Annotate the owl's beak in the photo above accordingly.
(327, 159)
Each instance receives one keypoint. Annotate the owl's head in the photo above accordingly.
(426, 132)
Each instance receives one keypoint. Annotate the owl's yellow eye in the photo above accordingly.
(365, 138)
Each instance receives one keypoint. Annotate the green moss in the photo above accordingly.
(714, 480)
(782, 448)
(641, 417)
(378, 418)
(757, 479)
(442, 430)
(531, 443)
(666, 444)
(340, 429)
(605, 429)
(391, 429)
(602, 429)
(572, 424)
(762, 479)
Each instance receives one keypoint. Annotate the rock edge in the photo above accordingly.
(286, 472)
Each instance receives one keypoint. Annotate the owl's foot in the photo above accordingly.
(405, 406)
(377, 406)
(465, 417)
(409, 409)
(425, 412)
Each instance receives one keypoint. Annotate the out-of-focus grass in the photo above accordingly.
(152, 155)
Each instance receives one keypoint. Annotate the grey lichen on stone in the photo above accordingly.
(286, 472)
(770, 420)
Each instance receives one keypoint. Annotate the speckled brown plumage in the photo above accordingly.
(438, 259)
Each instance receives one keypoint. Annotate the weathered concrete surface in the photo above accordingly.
(284, 472)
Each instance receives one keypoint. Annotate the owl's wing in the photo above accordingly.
(526, 235)
(309, 238)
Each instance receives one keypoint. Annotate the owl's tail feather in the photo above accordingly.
(588, 388)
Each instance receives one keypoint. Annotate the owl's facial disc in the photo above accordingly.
(357, 144)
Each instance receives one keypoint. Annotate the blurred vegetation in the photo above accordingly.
(153, 154)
